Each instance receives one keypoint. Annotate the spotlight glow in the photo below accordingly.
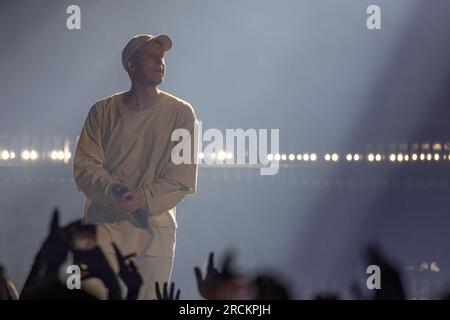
(436, 156)
(349, 157)
(414, 157)
(283, 157)
(12, 155)
(229, 155)
(221, 155)
(33, 155)
(306, 157)
(201, 155)
(327, 157)
(378, 157)
(335, 157)
(429, 157)
(356, 157)
(299, 157)
(399, 157)
(313, 157)
(370, 157)
(5, 155)
(54, 155)
(26, 155)
(277, 157)
(392, 157)
(422, 156)
(291, 157)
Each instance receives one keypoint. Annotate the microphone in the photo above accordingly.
(139, 216)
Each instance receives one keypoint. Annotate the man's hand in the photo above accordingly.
(132, 200)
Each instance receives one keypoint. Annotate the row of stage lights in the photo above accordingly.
(334, 157)
(32, 155)
(60, 155)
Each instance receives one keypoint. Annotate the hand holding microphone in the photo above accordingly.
(132, 202)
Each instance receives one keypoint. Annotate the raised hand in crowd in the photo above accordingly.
(128, 272)
(165, 294)
(48, 260)
(391, 282)
(217, 284)
(95, 265)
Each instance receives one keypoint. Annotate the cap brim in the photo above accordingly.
(164, 40)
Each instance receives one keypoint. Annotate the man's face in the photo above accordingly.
(148, 66)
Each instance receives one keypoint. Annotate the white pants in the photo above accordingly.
(154, 247)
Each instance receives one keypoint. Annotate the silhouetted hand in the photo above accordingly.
(129, 273)
(93, 264)
(166, 295)
(55, 248)
(49, 258)
(210, 286)
(391, 283)
(3, 285)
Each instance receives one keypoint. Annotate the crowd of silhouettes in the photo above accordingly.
(222, 282)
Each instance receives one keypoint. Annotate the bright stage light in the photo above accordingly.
(335, 157)
(229, 155)
(327, 157)
(12, 155)
(26, 155)
(429, 157)
(406, 157)
(67, 155)
(201, 155)
(277, 157)
(313, 157)
(5, 155)
(392, 157)
(299, 157)
(270, 157)
(414, 157)
(436, 157)
(306, 157)
(213, 155)
(399, 157)
(349, 157)
(291, 157)
(33, 155)
(221, 155)
(356, 157)
(370, 157)
(422, 156)
(283, 157)
(378, 157)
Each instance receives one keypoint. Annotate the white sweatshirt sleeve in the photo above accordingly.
(90, 172)
(177, 180)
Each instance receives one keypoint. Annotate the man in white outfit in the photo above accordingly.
(126, 142)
